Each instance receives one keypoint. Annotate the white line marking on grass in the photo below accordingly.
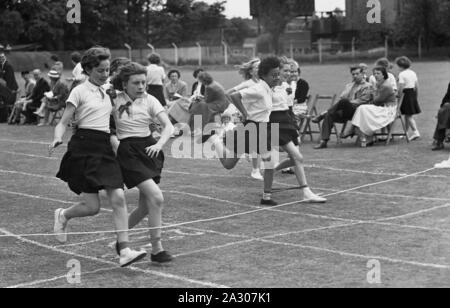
(149, 272)
(265, 239)
(360, 256)
(232, 215)
(38, 282)
(313, 166)
(35, 197)
(100, 239)
(29, 155)
(415, 213)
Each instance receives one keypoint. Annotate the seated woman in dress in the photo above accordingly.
(382, 112)
(176, 95)
(175, 88)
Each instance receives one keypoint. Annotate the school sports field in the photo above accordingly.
(385, 204)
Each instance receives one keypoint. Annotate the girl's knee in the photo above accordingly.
(118, 201)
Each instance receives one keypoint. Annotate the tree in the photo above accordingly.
(8, 18)
(275, 15)
(421, 18)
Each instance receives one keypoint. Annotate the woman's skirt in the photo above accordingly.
(90, 164)
(288, 128)
(158, 92)
(410, 104)
(137, 167)
(370, 118)
(250, 138)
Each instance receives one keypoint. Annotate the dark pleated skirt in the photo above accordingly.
(157, 92)
(410, 104)
(249, 138)
(288, 128)
(90, 164)
(137, 167)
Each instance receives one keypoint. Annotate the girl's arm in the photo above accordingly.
(167, 132)
(60, 129)
(236, 99)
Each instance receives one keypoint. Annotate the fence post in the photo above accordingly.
(291, 49)
(225, 53)
(199, 54)
(320, 51)
(175, 48)
(386, 46)
(130, 56)
(353, 48)
(152, 48)
(420, 46)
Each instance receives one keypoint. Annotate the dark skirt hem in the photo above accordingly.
(137, 167)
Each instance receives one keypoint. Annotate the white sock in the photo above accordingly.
(267, 196)
(62, 217)
(156, 246)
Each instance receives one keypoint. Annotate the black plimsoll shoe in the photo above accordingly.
(117, 248)
(162, 257)
(322, 145)
(268, 203)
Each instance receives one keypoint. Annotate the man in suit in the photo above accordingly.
(9, 87)
(198, 88)
(7, 73)
(32, 103)
(357, 93)
(443, 122)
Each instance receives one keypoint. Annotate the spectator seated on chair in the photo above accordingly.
(214, 103)
(32, 103)
(355, 94)
(55, 99)
(382, 112)
(176, 95)
(443, 122)
(26, 93)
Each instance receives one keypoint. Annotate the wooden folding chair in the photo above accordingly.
(56, 116)
(313, 112)
(391, 127)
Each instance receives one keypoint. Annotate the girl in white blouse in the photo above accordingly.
(140, 156)
(89, 164)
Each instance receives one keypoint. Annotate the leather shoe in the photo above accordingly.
(322, 145)
(438, 146)
(318, 119)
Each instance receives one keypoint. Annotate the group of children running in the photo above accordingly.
(112, 144)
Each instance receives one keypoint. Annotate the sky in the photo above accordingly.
(241, 8)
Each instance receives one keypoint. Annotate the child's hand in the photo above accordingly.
(53, 146)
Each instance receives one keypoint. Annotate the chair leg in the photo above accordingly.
(390, 129)
(12, 115)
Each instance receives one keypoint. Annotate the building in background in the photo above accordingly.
(356, 13)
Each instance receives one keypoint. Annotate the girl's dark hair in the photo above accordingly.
(197, 72)
(267, 65)
(76, 57)
(205, 78)
(154, 58)
(174, 72)
(383, 70)
(54, 58)
(125, 72)
(384, 62)
(93, 57)
(403, 62)
(117, 63)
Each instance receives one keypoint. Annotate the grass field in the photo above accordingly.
(385, 204)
